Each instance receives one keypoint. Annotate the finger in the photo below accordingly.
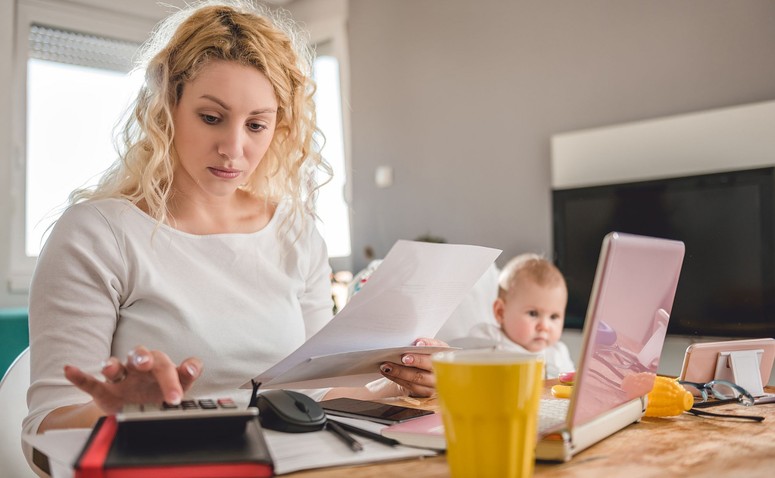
(188, 371)
(87, 383)
(416, 360)
(166, 374)
(140, 359)
(113, 370)
(419, 392)
(411, 388)
(421, 360)
(429, 342)
(408, 376)
(80, 379)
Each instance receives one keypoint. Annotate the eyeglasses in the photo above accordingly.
(721, 390)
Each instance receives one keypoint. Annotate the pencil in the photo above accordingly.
(366, 433)
(337, 430)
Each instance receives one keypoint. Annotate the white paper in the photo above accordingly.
(304, 451)
(411, 294)
(61, 447)
(348, 369)
(290, 451)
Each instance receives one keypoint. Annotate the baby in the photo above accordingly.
(530, 313)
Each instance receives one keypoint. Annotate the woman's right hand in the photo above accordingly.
(147, 376)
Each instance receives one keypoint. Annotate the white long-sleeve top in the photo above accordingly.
(556, 357)
(110, 278)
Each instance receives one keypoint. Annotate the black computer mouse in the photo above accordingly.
(289, 411)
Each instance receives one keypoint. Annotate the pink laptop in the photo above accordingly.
(624, 331)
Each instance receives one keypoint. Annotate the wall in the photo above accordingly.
(707, 142)
(6, 54)
(461, 99)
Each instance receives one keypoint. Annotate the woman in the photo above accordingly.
(196, 259)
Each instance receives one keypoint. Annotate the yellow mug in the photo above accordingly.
(489, 404)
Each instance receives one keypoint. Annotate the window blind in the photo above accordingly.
(74, 48)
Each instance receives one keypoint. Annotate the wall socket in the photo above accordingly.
(383, 176)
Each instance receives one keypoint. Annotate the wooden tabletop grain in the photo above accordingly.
(685, 445)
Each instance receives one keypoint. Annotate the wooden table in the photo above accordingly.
(680, 446)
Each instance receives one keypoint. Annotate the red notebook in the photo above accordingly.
(108, 454)
(424, 432)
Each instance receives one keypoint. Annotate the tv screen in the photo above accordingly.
(727, 283)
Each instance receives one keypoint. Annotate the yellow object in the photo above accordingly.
(562, 391)
(489, 405)
(668, 398)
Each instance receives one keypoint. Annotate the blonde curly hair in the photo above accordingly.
(182, 44)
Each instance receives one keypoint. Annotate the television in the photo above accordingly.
(727, 222)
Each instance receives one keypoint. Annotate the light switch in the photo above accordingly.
(383, 176)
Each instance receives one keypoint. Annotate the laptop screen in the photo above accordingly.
(626, 322)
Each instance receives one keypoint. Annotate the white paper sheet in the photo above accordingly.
(61, 447)
(304, 451)
(348, 369)
(415, 289)
(290, 451)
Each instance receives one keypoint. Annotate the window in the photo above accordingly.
(332, 208)
(71, 85)
(326, 21)
(77, 88)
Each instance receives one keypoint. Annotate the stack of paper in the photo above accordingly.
(412, 293)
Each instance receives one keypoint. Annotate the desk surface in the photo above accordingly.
(685, 445)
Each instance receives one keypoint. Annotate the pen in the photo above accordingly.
(367, 433)
(337, 430)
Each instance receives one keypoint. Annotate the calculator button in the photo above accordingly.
(132, 408)
(223, 410)
(151, 407)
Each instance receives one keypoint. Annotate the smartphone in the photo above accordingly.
(372, 411)
(699, 363)
(701, 359)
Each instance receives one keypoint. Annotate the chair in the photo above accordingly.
(13, 409)
(14, 335)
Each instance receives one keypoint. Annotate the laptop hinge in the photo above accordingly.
(562, 446)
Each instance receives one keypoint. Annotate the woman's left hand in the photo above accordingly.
(415, 374)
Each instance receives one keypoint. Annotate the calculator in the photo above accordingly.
(186, 410)
(198, 420)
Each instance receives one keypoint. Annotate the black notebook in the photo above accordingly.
(111, 452)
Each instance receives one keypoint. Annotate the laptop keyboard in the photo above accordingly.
(551, 413)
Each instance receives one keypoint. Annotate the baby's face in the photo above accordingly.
(532, 315)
